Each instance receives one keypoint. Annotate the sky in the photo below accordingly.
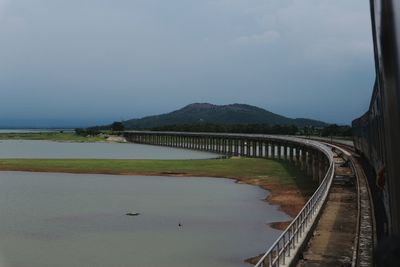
(88, 62)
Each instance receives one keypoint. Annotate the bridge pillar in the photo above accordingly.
(254, 150)
(235, 147)
(270, 150)
(297, 150)
(273, 150)
(309, 163)
(303, 159)
(315, 171)
(279, 151)
(260, 149)
(321, 168)
(292, 155)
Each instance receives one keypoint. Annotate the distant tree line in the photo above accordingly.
(337, 130)
(230, 128)
(87, 131)
(256, 128)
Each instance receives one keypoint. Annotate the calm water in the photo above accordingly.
(79, 220)
(54, 150)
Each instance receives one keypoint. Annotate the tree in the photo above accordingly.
(117, 126)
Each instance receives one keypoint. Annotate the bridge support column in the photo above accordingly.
(321, 168)
(273, 151)
(303, 159)
(291, 155)
(235, 147)
(315, 172)
(297, 161)
(279, 151)
(309, 163)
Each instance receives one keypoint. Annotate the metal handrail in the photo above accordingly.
(293, 237)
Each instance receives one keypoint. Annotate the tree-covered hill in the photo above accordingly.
(198, 113)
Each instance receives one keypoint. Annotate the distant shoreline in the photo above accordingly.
(52, 136)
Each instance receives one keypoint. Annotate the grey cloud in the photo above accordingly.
(139, 57)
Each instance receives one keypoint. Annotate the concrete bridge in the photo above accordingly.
(313, 157)
(304, 154)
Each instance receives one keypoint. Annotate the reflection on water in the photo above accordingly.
(79, 220)
(54, 150)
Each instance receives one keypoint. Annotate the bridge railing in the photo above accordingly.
(291, 241)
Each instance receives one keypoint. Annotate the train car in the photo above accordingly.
(377, 132)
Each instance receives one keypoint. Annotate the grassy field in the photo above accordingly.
(51, 136)
(234, 167)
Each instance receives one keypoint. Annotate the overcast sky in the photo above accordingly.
(94, 61)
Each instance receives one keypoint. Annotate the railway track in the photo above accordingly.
(365, 238)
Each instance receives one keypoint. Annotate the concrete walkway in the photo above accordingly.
(333, 241)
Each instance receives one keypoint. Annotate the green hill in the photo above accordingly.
(218, 114)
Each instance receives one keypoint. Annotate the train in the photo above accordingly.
(376, 134)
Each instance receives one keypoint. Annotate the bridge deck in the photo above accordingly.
(333, 240)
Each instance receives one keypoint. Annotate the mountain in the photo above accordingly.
(218, 114)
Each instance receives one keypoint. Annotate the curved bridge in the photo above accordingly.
(311, 156)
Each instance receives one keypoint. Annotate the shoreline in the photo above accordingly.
(289, 199)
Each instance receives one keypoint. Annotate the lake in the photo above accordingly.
(50, 219)
(79, 220)
(17, 149)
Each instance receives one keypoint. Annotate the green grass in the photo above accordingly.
(239, 168)
(51, 136)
